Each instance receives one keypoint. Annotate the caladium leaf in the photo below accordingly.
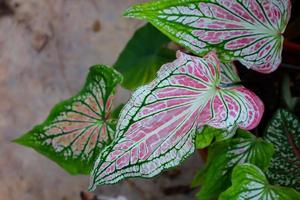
(143, 56)
(223, 156)
(156, 129)
(284, 133)
(249, 182)
(249, 31)
(79, 128)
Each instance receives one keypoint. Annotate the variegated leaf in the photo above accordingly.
(79, 128)
(224, 155)
(249, 182)
(157, 126)
(284, 133)
(249, 31)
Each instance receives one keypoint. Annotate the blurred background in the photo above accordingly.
(46, 49)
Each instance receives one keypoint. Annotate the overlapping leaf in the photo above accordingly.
(284, 133)
(79, 128)
(207, 134)
(143, 56)
(223, 156)
(249, 31)
(156, 129)
(249, 182)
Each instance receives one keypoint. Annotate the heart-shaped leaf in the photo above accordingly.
(249, 31)
(79, 128)
(156, 129)
(284, 133)
(223, 156)
(249, 182)
(143, 56)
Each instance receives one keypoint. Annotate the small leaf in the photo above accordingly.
(205, 137)
(223, 156)
(284, 133)
(249, 31)
(143, 56)
(77, 129)
(249, 182)
(156, 129)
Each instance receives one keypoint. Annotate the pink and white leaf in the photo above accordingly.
(249, 31)
(156, 129)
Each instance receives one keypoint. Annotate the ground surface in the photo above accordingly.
(46, 48)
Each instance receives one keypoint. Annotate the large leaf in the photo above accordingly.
(77, 129)
(249, 182)
(143, 56)
(156, 129)
(249, 31)
(284, 133)
(223, 156)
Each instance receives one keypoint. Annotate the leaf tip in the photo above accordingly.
(92, 185)
(16, 140)
(21, 140)
(134, 12)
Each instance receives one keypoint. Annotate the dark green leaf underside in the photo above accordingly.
(143, 56)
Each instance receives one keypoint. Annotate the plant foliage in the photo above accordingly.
(249, 31)
(77, 129)
(143, 55)
(223, 156)
(249, 182)
(284, 133)
(156, 128)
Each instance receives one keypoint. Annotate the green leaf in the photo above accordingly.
(249, 182)
(223, 156)
(284, 133)
(143, 56)
(77, 129)
(249, 31)
(207, 134)
(205, 137)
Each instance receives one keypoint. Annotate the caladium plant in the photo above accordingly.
(157, 127)
(194, 102)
